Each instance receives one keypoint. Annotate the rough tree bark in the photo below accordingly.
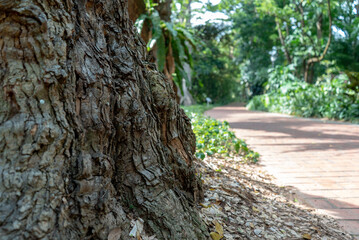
(91, 135)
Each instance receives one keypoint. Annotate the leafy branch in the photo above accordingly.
(168, 38)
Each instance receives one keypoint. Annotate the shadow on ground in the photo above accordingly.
(347, 216)
(287, 127)
(291, 144)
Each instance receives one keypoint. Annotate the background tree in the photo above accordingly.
(300, 31)
(91, 135)
(167, 41)
(255, 37)
(275, 40)
(216, 73)
(345, 45)
(308, 76)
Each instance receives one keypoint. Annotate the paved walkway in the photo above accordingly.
(319, 159)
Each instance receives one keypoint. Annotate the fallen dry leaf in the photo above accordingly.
(307, 236)
(255, 209)
(215, 236)
(205, 206)
(219, 228)
(115, 234)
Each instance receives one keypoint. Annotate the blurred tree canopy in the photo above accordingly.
(263, 45)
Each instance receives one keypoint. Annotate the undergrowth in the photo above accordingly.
(214, 137)
(328, 99)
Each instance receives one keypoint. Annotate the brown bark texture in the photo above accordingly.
(91, 134)
(136, 8)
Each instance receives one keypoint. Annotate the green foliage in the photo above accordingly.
(327, 99)
(166, 36)
(255, 37)
(273, 40)
(257, 27)
(216, 74)
(353, 80)
(214, 137)
(197, 109)
(264, 47)
(279, 76)
(181, 42)
(297, 23)
(345, 47)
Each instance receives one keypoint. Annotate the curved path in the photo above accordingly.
(320, 159)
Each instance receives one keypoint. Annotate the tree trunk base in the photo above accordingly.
(91, 136)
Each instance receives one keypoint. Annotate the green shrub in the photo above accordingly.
(328, 99)
(214, 137)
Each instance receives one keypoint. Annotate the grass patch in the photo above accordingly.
(198, 109)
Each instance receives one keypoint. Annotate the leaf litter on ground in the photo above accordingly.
(242, 202)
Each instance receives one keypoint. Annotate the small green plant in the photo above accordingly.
(215, 138)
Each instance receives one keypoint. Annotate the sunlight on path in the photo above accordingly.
(320, 159)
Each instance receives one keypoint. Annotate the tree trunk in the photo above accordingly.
(91, 135)
(135, 9)
(282, 41)
(316, 59)
(186, 98)
(319, 24)
(164, 9)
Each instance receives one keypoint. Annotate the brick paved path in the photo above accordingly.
(320, 159)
